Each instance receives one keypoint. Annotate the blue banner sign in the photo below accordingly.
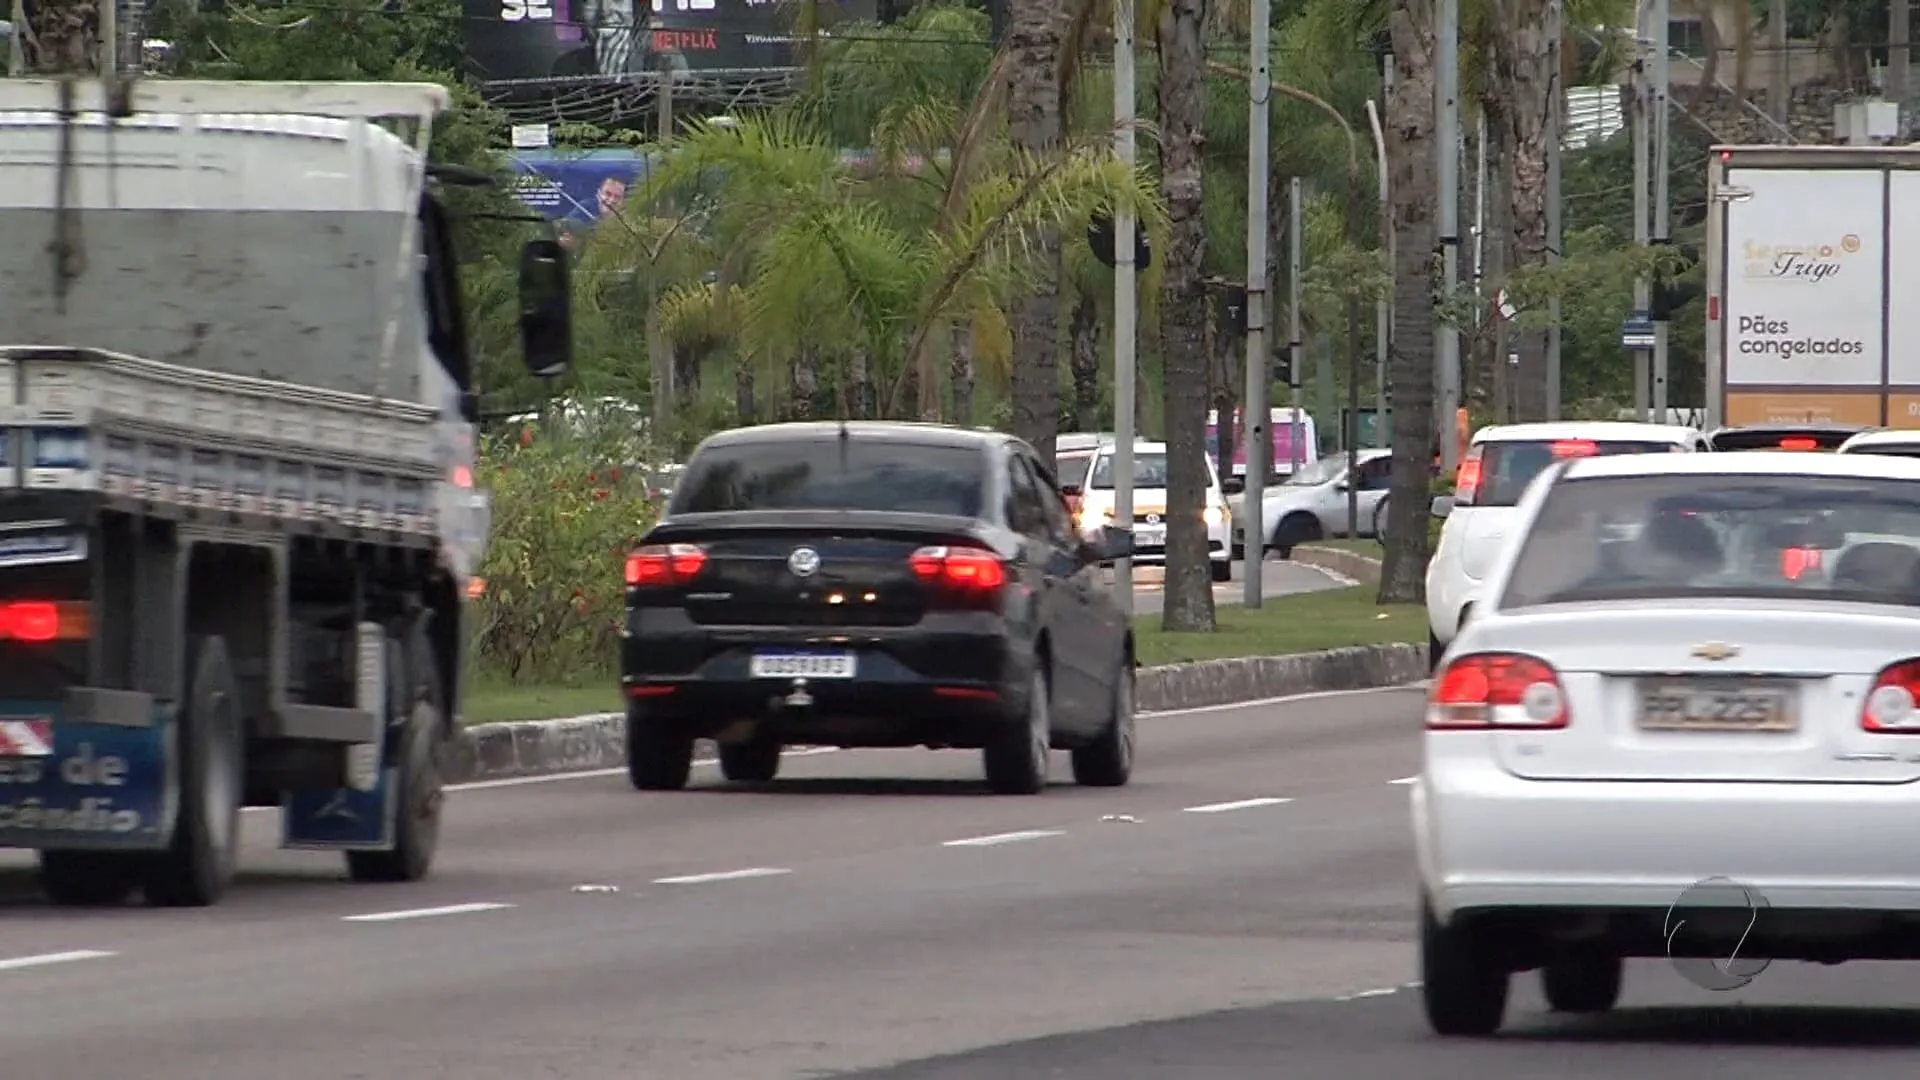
(100, 786)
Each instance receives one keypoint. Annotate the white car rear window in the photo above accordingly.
(1679, 537)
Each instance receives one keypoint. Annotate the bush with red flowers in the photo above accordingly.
(567, 507)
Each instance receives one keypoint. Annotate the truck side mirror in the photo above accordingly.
(546, 320)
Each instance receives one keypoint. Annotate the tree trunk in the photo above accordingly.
(1034, 125)
(1086, 363)
(745, 412)
(65, 39)
(1528, 83)
(1410, 149)
(806, 385)
(1183, 313)
(960, 377)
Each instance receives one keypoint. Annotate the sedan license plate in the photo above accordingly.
(1150, 537)
(837, 665)
(1698, 705)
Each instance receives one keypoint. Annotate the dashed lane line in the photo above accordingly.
(723, 875)
(424, 913)
(996, 839)
(1237, 804)
(18, 963)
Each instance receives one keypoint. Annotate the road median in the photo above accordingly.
(528, 748)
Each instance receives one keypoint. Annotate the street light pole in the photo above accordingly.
(1125, 297)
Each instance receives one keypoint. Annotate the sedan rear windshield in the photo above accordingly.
(1695, 537)
(1911, 449)
(1508, 466)
(834, 474)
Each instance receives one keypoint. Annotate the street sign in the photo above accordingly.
(1637, 332)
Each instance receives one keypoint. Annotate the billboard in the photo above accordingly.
(579, 186)
(1804, 333)
(509, 40)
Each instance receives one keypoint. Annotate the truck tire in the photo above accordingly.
(755, 761)
(413, 692)
(197, 867)
(88, 878)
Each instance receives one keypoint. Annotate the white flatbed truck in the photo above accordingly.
(238, 518)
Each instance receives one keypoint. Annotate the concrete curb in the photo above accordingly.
(1345, 563)
(586, 743)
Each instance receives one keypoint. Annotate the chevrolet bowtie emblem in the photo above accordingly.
(1715, 650)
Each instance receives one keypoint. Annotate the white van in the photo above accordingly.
(1086, 481)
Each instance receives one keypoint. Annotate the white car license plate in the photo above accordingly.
(1702, 705)
(1150, 537)
(838, 665)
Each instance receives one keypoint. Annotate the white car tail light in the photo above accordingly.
(1494, 691)
(1891, 708)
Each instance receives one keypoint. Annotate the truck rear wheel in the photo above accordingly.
(88, 878)
(197, 867)
(415, 693)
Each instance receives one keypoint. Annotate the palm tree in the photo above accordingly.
(1183, 307)
(1034, 109)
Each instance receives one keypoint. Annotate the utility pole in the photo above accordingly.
(1295, 258)
(1641, 137)
(17, 42)
(1126, 313)
(1900, 57)
(1556, 144)
(659, 349)
(1661, 211)
(1446, 350)
(109, 42)
(1382, 306)
(1782, 88)
(1254, 425)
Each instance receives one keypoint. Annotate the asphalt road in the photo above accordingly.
(876, 910)
(1278, 578)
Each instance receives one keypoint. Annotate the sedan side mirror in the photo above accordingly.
(546, 319)
(1107, 546)
(1233, 485)
(1442, 505)
(1070, 491)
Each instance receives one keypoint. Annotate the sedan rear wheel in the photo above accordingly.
(1016, 755)
(1462, 982)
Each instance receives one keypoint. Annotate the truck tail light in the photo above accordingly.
(46, 620)
(660, 565)
(960, 576)
(1494, 691)
(1890, 708)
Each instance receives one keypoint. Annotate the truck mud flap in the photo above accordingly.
(97, 787)
(359, 817)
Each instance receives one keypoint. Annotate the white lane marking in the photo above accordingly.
(1405, 780)
(1005, 838)
(723, 875)
(1337, 578)
(1384, 991)
(1237, 804)
(45, 959)
(810, 751)
(590, 774)
(425, 912)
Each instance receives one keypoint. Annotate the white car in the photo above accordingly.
(1501, 461)
(1885, 441)
(1085, 474)
(1312, 503)
(1701, 742)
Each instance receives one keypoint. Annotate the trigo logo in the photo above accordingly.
(1809, 263)
(1711, 930)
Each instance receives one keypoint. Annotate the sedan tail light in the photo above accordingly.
(960, 576)
(664, 565)
(1495, 691)
(1890, 708)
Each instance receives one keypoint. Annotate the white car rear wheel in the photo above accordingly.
(1463, 982)
(1582, 981)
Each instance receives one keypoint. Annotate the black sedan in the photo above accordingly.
(874, 585)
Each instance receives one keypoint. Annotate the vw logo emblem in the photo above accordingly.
(803, 562)
(1153, 519)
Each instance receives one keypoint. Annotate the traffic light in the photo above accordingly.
(1100, 239)
(1670, 295)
